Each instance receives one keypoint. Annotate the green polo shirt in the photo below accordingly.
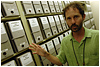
(87, 51)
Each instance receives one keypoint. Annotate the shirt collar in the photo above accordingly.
(87, 34)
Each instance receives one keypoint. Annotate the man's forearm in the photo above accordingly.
(53, 59)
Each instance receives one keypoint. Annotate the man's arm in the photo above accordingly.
(40, 51)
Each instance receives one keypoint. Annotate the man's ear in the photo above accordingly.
(84, 16)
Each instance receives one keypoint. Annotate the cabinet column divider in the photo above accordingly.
(27, 30)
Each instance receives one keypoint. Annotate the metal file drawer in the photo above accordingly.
(48, 32)
(37, 6)
(26, 59)
(18, 34)
(6, 48)
(45, 6)
(51, 5)
(28, 7)
(10, 8)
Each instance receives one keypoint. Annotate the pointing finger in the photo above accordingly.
(31, 46)
(32, 49)
(34, 44)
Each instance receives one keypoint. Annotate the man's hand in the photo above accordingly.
(38, 50)
(42, 52)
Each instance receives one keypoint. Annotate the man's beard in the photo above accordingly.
(78, 27)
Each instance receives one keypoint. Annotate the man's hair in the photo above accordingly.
(79, 5)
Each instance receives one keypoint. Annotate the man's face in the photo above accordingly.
(74, 19)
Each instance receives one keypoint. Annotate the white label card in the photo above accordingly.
(61, 17)
(15, 25)
(51, 19)
(56, 41)
(33, 22)
(26, 59)
(44, 2)
(56, 18)
(50, 45)
(44, 20)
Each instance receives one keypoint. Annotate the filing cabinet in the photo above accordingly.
(45, 6)
(35, 28)
(51, 47)
(26, 59)
(6, 48)
(37, 6)
(9, 8)
(57, 44)
(60, 5)
(58, 23)
(10, 63)
(45, 26)
(52, 25)
(87, 24)
(51, 5)
(17, 34)
(62, 22)
(28, 7)
(57, 6)
(45, 61)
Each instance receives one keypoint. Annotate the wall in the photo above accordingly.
(95, 10)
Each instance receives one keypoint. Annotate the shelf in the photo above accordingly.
(40, 15)
(10, 18)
